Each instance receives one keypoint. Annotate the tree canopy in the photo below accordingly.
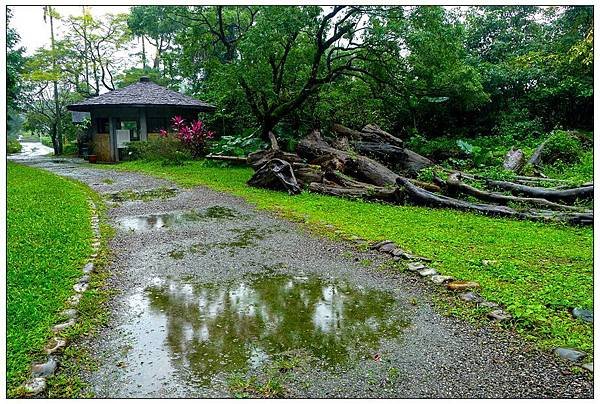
(426, 70)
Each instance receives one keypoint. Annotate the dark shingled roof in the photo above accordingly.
(142, 93)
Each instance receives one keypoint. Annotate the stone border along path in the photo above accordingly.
(497, 314)
(41, 371)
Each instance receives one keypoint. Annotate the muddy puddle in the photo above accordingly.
(150, 222)
(205, 330)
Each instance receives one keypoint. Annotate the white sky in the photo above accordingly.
(29, 22)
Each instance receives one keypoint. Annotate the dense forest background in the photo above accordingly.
(418, 72)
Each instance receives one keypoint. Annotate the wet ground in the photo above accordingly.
(217, 299)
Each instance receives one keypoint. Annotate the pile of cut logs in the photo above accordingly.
(372, 164)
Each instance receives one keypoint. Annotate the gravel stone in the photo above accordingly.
(44, 369)
(35, 386)
(80, 287)
(416, 266)
(379, 244)
(88, 268)
(387, 248)
(63, 326)
(439, 279)
(398, 252)
(54, 345)
(583, 314)
(489, 305)
(570, 354)
(588, 366)
(70, 313)
(74, 300)
(427, 272)
(470, 297)
(499, 315)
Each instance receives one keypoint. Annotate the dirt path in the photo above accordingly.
(213, 292)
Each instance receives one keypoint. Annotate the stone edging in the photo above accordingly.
(41, 371)
(417, 264)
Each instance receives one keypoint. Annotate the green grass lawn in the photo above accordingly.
(49, 238)
(538, 271)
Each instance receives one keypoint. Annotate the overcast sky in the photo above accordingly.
(29, 22)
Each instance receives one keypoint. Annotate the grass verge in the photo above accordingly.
(49, 240)
(538, 271)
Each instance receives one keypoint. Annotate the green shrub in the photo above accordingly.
(46, 141)
(563, 146)
(578, 173)
(518, 124)
(168, 150)
(13, 146)
(479, 157)
(439, 149)
(237, 145)
(70, 149)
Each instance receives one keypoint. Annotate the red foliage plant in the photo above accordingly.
(194, 136)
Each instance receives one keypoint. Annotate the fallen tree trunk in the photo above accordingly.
(397, 158)
(314, 148)
(257, 159)
(375, 130)
(455, 186)
(276, 174)
(422, 197)
(307, 173)
(227, 158)
(370, 133)
(536, 158)
(514, 160)
(556, 195)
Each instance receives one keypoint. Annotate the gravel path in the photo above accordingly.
(211, 291)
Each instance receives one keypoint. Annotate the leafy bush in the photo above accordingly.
(13, 146)
(70, 149)
(237, 145)
(194, 136)
(46, 141)
(578, 173)
(437, 149)
(167, 149)
(518, 124)
(478, 155)
(562, 146)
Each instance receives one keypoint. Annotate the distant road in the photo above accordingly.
(33, 149)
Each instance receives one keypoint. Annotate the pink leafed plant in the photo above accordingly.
(194, 136)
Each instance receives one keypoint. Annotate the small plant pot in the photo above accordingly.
(92, 158)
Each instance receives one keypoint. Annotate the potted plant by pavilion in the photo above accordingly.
(91, 157)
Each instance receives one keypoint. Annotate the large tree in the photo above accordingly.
(15, 62)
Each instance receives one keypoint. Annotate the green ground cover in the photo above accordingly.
(49, 239)
(538, 271)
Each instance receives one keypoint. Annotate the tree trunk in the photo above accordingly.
(277, 174)
(555, 195)
(455, 186)
(57, 126)
(313, 147)
(370, 133)
(54, 138)
(422, 197)
(514, 160)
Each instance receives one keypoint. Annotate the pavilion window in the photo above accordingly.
(102, 125)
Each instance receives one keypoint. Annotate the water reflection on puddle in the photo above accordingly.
(235, 326)
(149, 222)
